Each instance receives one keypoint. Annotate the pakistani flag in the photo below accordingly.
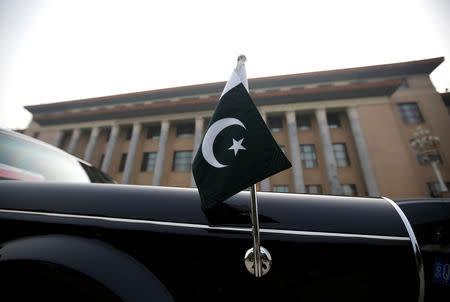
(238, 149)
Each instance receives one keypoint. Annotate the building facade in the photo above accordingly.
(345, 131)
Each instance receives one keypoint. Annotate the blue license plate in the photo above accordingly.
(441, 271)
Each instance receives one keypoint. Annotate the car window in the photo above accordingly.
(24, 160)
(96, 175)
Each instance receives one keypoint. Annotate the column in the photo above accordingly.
(58, 139)
(159, 164)
(91, 144)
(131, 153)
(74, 141)
(330, 161)
(197, 140)
(110, 148)
(265, 183)
(363, 153)
(294, 147)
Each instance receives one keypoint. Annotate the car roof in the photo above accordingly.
(40, 143)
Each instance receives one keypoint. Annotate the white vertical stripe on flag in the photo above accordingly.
(239, 75)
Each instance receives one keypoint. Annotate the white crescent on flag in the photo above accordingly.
(210, 136)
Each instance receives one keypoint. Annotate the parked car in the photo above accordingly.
(70, 240)
(25, 158)
(431, 224)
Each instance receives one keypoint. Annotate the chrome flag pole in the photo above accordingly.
(255, 231)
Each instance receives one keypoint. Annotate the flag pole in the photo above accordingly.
(254, 202)
(256, 239)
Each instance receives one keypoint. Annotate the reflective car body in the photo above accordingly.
(25, 158)
(431, 223)
(81, 241)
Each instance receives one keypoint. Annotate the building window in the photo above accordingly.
(309, 158)
(435, 189)
(123, 160)
(410, 113)
(66, 136)
(182, 160)
(304, 122)
(148, 162)
(108, 134)
(275, 123)
(340, 154)
(313, 189)
(36, 134)
(153, 132)
(280, 189)
(348, 190)
(102, 158)
(85, 132)
(185, 130)
(333, 120)
(128, 133)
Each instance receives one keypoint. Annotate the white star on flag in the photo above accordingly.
(237, 145)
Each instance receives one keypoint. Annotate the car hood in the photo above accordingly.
(283, 211)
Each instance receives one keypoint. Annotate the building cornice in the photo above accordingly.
(357, 90)
(194, 91)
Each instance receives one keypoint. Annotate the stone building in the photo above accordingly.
(345, 131)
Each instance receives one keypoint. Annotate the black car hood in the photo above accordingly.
(305, 212)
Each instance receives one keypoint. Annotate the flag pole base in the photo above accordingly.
(266, 261)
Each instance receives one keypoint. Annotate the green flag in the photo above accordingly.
(238, 149)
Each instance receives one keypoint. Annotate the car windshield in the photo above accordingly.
(95, 175)
(21, 159)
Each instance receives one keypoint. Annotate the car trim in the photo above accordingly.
(206, 227)
(406, 202)
(415, 246)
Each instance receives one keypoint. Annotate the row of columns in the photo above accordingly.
(131, 155)
(299, 185)
(327, 147)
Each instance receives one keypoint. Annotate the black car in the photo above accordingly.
(431, 224)
(25, 158)
(64, 239)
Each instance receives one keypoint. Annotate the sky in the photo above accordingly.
(54, 51)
